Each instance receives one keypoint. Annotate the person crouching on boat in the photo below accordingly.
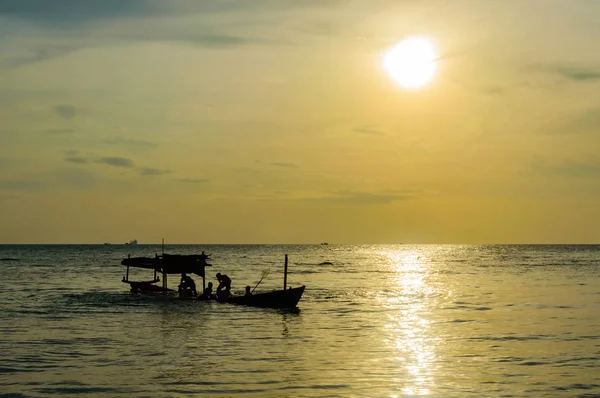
(248, 292)
(208, 293)
(187, 283)
(224, 283)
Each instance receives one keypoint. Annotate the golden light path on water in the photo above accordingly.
(407, 330)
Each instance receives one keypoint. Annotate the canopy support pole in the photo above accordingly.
(285, 273)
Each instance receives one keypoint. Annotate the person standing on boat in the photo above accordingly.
(224, 283)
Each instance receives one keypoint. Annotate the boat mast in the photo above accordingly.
(285, 273)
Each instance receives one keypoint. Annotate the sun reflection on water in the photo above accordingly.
(408, 333)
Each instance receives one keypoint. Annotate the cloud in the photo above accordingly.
(61, 27)
(574, 73)
(59, 131)
(493, 90)
(76, 159)
(21, 185)
(283, 165)
(193, 180)
(78, 179)
(219, 41)
(587, 121)
(65, 13)
(38, 54)
(65, 111)
(116, 161)
(368, 130)
(363, 198)
(150, 171)
(571, 169)
(131, 142)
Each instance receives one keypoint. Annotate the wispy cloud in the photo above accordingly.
(574, 73)
(66, 26)
(493, 90)
(571, 169)
(283, 165)
(76, 159)
(21, 185)
(38, 53)
(116, 161)
(193, 180)
(62, 13)
(371, 130)
(65, 13)
(58, 131)
(363, 198)
(131, 142)
(151, 171)
(76, 178)
(587, 121)
(65, 111)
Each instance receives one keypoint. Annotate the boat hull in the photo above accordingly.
(275, 299)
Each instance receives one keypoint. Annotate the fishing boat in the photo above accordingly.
(274, 299)
(285, 298)
(167, 264)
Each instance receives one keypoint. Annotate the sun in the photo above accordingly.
(412, 62)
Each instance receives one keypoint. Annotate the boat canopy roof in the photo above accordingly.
(181, 263)
(171, 263)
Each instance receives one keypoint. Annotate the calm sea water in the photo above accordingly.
(378, 321)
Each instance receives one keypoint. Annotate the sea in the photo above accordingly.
(374, 321)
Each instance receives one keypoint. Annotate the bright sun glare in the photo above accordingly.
(412, 62)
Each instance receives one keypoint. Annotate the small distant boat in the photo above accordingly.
(132, 242)
(324, 243)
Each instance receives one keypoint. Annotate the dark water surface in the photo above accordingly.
(379, 321)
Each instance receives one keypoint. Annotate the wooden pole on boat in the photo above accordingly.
(203, 279)
(285, 273)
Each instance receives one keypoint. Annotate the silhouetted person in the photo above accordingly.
(248, 292)
(187, 283)
(208, 293)
(224, 283)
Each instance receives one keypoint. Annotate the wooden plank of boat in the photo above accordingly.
(147, 287)
(275, 299)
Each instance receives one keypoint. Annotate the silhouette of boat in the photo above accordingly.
(284, 298)
(132, 242)
(167, 264)
(274, 299)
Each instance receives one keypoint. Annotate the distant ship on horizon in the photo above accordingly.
(132, 242)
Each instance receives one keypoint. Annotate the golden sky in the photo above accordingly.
(273, 121)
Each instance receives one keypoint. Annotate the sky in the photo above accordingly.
(273, 121)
